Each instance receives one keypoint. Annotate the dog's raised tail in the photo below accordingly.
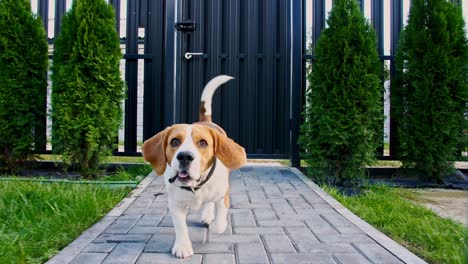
(207, 96)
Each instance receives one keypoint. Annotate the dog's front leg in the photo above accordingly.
(182, 246)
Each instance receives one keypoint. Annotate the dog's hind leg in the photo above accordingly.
(219, 224)
(207, 214)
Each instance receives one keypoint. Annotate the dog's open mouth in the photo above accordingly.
(183, 176)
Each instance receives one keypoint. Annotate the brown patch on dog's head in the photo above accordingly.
(157, 150)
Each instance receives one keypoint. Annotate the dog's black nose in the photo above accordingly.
(185, 157)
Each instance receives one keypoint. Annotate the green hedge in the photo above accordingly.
(87, 89)
(23, 82)
(343, 114)
(429, 91)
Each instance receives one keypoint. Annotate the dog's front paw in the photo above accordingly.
(182, 249)
(218, 226)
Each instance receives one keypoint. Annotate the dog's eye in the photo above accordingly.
(202, 143)
(175, 142)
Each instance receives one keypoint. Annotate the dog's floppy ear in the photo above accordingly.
(231, 154)
(154, 151)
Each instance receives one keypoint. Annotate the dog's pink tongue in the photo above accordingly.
(182, 174)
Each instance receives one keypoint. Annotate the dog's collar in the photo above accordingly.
(208, 176)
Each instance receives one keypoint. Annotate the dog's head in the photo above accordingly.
(190, 150)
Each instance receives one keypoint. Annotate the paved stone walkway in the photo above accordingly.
(276, 216)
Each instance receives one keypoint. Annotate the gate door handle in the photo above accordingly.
(188, 55)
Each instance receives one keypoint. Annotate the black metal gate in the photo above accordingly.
(249, 40)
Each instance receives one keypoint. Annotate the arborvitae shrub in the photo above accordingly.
(430, 88)
(343, 114)
(23, 82)
(87, 88)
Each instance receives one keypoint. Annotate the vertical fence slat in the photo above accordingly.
(116, 5)
(60, 10)
(378, 23)
(131, 77)
(169, 62)
(40, 126)
(318, 20)
(153, 75)
(396, 12)
(297, 49)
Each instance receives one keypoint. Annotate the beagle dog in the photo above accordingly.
(195, 160)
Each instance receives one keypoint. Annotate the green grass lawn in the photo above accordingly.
(38, 219)
(431, 237)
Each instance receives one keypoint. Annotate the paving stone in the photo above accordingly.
(239, 211)
(166, 221)
(299, 184)
(302, 258)
(257, 196)
(278, 244)
(149, 210)
(130, 216)
(272, 191)
(239, 199)
(86, 258)
(149, 220)
(321, 206)
(312, 197)
(298, 203)
(233, 239)
(302, 238)
(336, 219)
(125, 253)
(151, 230)
(199, 248)
(285, 186)
(197, 234)
(166, 258)
(282, 222)
(350, 258)
(132, 238)
(251, 253)
(351, 229)
(250, 205)
(377, 254)
(330, 248)
(259, 230)
(349, 238)
(160, 244)
(219, 259)
(99, 247)
(142, 202)
(304, 213)
(283, 209)
(243, 219)
(320, 227)
(120, 226)
(264, 214)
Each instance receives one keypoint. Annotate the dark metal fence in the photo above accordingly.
(159, 48)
